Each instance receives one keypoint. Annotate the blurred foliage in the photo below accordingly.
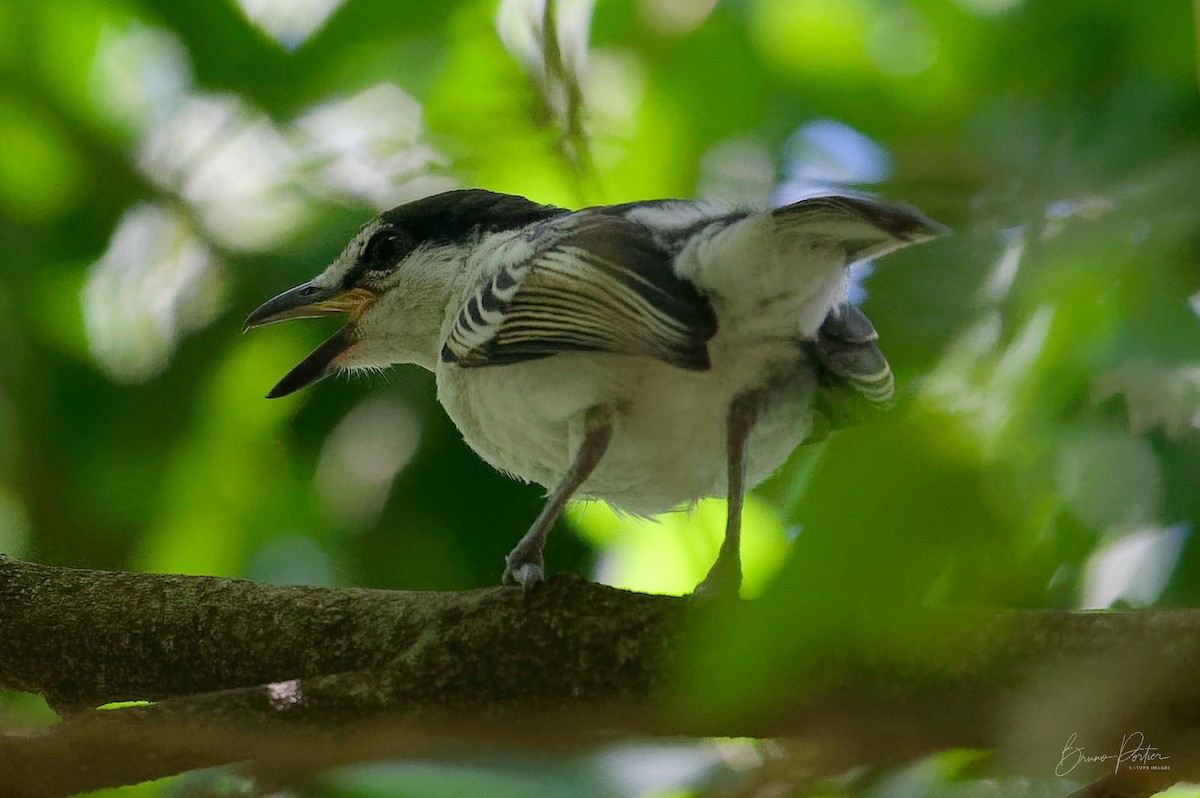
(165, 166)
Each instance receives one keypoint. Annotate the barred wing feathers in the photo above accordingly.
(604, 286)
(853, 375)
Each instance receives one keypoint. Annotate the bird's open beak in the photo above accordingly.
(305, 302)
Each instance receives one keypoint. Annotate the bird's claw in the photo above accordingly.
(526, 574)
(724, 582)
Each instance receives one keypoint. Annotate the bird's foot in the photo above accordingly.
(724, 581)
(522, 569)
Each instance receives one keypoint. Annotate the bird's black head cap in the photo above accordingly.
(455, 216)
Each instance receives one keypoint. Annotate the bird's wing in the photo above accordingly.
(865, 228)
(852, 373)
(603, 286)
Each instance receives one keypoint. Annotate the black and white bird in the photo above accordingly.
(648, 354)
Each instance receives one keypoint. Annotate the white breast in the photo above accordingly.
(669, 445)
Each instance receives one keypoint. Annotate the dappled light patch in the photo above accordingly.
(291, 559)
(814, 37)
(828, 156)
(989, 381)
(156, 283)
(369, 147)
(671, 553)
(738, 171)
(361, 458)
(289, 22)
(232, 166)
(139, 76)
(901, 42)
(1157, 395)
(675, 17)
(1132, 567)
(1109, 479)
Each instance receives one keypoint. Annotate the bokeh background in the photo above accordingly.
(165, 167)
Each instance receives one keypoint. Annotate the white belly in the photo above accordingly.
(669, 442)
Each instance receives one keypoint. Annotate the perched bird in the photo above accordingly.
(648, 354)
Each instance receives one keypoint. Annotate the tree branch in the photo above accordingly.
(300, 678)
(83, 638)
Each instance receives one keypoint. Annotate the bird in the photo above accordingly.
(647, 354)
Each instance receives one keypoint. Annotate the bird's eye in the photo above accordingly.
(384, 249)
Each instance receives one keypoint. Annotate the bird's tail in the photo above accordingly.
(778, 273)
(854, 377)
(864, 228)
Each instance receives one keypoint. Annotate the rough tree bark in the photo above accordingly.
(294, 679)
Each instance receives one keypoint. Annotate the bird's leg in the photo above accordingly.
(523, 565)
(725, 576)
